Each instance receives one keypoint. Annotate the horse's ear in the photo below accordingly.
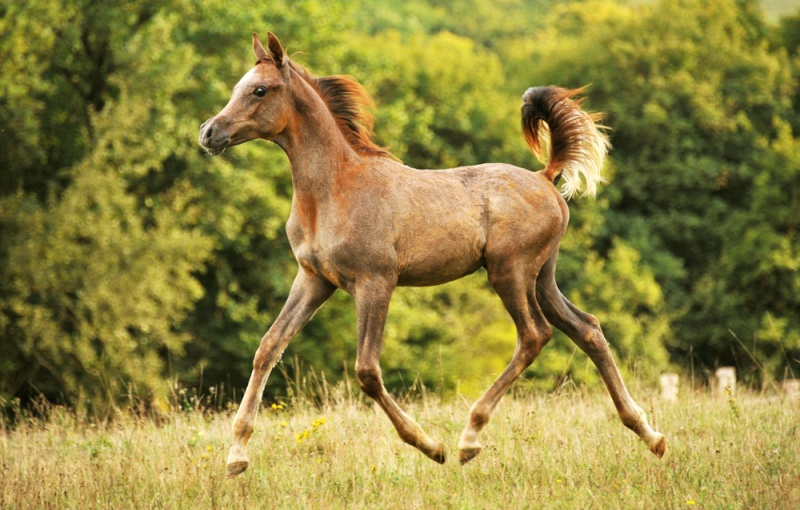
(275, 49)
(258, 49)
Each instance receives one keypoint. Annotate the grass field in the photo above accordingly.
(541, 451)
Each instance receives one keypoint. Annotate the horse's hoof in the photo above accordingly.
(467, 454)
(660, 446)
(236, 468)
(438, 454)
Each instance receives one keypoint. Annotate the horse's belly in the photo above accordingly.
(431, 260)
(431, 275)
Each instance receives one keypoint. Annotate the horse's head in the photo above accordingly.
(259, 106)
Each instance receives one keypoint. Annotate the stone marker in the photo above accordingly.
(726, 378)
(669, 387)
(791, 389)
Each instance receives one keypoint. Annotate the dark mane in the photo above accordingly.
(349, 104)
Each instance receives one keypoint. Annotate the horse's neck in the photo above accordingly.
(316, 148)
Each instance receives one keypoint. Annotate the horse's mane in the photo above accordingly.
(349, 104)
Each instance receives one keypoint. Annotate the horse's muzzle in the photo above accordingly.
(213, 138)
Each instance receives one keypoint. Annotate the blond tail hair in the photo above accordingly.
(568, 140)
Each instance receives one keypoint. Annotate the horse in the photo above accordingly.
(363, 222)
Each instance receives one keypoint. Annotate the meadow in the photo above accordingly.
(335, 450)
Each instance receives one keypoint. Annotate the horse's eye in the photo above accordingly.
(260, 91)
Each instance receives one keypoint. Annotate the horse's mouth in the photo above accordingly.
(215, 151)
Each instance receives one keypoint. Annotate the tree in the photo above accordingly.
(98, 257)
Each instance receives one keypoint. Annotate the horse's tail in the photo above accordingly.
(577, 145)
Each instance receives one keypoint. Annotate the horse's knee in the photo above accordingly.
(269, 350)
(265, 356)
(369, 379)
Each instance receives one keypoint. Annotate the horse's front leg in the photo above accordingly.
(307, 295)
(372, 305)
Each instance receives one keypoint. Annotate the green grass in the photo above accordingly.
(541, 451)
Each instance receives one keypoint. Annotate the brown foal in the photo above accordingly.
(363, 222)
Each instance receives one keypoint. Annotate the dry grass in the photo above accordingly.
(542, 451)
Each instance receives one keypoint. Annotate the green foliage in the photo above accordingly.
(129, 260)
(99, 265)
(92, 296)
(432, 111)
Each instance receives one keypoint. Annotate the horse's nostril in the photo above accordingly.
(207, 134)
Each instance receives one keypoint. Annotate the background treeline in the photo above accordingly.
(130, 262)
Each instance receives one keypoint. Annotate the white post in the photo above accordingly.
(726, 378)
(669, 387)
(791, 389)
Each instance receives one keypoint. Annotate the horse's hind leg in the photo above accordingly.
(584, 330)
(516, 287)
(372, 305)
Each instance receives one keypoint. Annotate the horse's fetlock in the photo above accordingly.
(408, 437)
(242, 429)
(478, 418)
(633, 419)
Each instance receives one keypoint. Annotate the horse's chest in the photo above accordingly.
(325, 254)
